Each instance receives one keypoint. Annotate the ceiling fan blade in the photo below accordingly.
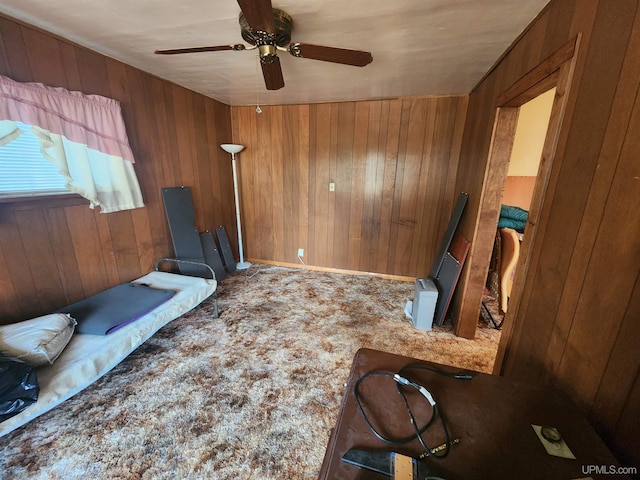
(272, 73)
(259, 14)
(356, 58)
(215, 48)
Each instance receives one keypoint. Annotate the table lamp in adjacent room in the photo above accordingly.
(233, 149)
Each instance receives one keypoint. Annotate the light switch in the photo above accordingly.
(332, 187)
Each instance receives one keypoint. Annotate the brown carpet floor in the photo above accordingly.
(250, 395)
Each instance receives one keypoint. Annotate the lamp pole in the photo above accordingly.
(233, 149)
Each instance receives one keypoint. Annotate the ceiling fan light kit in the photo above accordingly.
(269, 29)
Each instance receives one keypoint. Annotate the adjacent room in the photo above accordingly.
(239, 204)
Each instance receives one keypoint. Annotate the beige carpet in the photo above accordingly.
(251, 395)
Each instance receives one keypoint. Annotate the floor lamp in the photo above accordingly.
(233, 149)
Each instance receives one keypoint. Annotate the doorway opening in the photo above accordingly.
(524, 162)
(556, 71)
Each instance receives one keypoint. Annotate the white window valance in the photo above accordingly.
(84, 135)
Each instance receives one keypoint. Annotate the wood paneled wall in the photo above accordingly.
(394, 166)
(53, 252)
(397, 166)
(578, 324)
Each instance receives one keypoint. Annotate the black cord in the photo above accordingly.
(401, 381)
(392, 441)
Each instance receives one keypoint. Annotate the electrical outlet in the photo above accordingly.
(301, 252)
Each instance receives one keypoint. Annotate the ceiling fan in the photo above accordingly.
(269, 29)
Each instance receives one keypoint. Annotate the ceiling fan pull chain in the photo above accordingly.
(258, 109)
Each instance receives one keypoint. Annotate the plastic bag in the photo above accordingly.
(18, 387)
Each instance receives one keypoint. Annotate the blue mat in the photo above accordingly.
(116, 307)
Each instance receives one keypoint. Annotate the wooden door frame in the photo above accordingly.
(555, 71)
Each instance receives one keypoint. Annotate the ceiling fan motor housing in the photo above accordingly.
(282, 36)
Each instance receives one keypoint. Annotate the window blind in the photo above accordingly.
(23, 169)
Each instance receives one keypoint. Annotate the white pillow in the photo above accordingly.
(37, 341)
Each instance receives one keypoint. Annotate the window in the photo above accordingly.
(23, 169)
(82, 136)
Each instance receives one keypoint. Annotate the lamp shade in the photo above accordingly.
(232, 148)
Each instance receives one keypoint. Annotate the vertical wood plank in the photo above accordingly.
(248, 181)
(88, 249)
(331, 197)
(108, 260)
(17, 57)
(47, 65)
(10, 308)
(558, 25)
(429, 187)
(312, 255)
(93, 73)
(169, 167)
(290, 186)
(398, 189)
(219, 132)
(186, 152)
(264, 180)
(385, 184)
(322, 178)
(4, 56)
(34, 237)
(66, 261)
(142, 233)
(125, 250)
(203, 188)
(621, 374)
(16, 268)
(343, 175)
(407, 221)
(303, 175)
(625, 441)
(70, 66)
(277, 183)
(370, 227)
(358, 187)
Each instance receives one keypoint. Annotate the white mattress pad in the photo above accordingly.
(88, 357)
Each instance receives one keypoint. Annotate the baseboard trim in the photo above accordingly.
(385, 276)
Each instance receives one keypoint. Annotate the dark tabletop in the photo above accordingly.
(491, 415)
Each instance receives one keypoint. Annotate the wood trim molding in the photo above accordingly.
(41, 201)
(398, 278)
(538, 80)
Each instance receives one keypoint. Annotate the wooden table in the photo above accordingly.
(491, 415)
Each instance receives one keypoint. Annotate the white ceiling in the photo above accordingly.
(419, 47)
